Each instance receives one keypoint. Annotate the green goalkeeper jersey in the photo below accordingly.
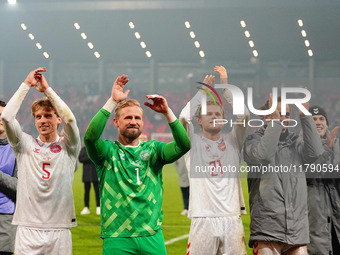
(130, 179)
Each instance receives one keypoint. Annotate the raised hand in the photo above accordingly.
(34, 77)
(117, 93)
(159, 103)
(209, 79)
(222, 72)
(331, 137)
(42, 82)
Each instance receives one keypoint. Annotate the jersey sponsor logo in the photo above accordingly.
(222, 146)
(36, 150)
(207, 148)
(55, 148)
(145, 155)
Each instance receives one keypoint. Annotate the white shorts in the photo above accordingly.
(220, 235)
(43, 242)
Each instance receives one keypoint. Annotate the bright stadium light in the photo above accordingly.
(131, 25)
(137, 35)
(97, 54)
(303, 33)
(38, 46)
(300, 22)
(143, 45)
(76, 25)
(255, 53)
(251, 44)
(310, 53)
(46, 55)
(90, 45)
(307, 43)
(83, 35)
(247, 34)
(148, 54)
(202, 53)
(23, 26)
(12, 2)
(192, 34)
(31, 36)
(187, 24)
(197, 44)
(243, 23)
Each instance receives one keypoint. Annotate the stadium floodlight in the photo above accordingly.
(197, 44)
(143, 45)
(38, 46)
(76, 25)
(148, 54)
(201, 52)
(46, 55)
(303, 33)
(83, 35)
(307, 43)
(251, 44)
(131, 25)
(310, 53)
(12, 2)
(300, 22)
(97, 54)
(255, 53)
(90, 45)
(247, 34)
(31, 36)
(137, 35)
(243, 23)
(192, 34)
(23, 26)
(187, 24)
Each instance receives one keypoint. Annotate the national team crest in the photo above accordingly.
(55, 148)
(222, 146)
(145, 155)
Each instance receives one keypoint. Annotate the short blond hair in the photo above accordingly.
(42, 103)
(127, 103)
(198, 113)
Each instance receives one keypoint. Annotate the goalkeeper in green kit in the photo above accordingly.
(130, 173)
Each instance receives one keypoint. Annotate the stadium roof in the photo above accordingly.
(272, 24)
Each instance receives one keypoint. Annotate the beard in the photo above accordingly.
(131, 134)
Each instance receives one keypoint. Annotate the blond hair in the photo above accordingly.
(127, 103)
(44, 103)
(198, 113)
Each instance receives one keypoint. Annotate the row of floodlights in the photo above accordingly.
(304, 35)
(138, 36)
(32, 37)
(89, 44)
(247, 35)
(193, 36)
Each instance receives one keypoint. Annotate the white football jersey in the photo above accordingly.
(45, 170)
(215, 184)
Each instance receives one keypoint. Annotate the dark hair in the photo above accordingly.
(2, 103)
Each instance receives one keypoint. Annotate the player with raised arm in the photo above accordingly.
(130, 173)
(45, 208)
(216, 198)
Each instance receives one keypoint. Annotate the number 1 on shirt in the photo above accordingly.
(138, 180)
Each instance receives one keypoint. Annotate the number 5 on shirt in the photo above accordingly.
(47, 172)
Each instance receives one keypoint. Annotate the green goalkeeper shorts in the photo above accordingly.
(141, 245)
